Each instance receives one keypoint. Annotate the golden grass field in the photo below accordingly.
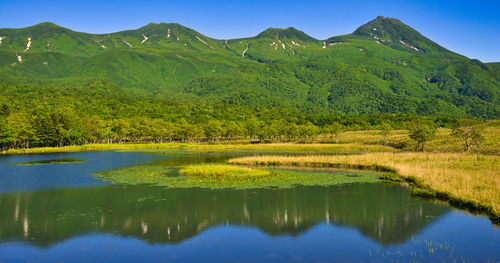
(347, 148)
(443, 142)
(219, 171)
(460, 177)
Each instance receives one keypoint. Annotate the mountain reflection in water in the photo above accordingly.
(386, 214)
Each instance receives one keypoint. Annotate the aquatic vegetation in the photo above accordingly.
(461, 179)
(52, 161)
(218, 176)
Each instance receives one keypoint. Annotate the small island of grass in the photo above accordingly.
(223, 176)
(52, 161)
(223, 172)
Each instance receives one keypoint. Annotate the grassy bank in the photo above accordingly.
(273, 147)
(90, 148)
(461, 179)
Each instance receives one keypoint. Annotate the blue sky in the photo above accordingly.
(471, 28)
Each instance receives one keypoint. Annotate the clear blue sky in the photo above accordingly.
(471, 28)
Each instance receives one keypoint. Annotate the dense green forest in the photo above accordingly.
(43, 115)
(166, 82)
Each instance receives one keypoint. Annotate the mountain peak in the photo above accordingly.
(47, 25)
(281, 33)
(383, 25)
(394, 33)
(163, 29)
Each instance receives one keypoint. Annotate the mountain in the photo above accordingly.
(384, 66)
(395, 34)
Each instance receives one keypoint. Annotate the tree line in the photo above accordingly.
(63, 126)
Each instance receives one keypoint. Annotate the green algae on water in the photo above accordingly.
(251, 178)
(52, 161)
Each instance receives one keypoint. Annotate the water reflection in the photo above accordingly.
(386, 214)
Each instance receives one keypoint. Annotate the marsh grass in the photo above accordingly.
(273, 147)
(459, 178)
(223, 172)
(52, 161)
(444, 142)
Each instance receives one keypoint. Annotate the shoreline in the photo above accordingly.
(429, 180)
(290, 147)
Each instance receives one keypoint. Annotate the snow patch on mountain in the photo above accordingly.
(1, 38)
(100, 44)
(409, 45)
(275, 45)
(168, 33)
(126, 43)
(295, 43)
(28, 45)
(145, 39)
(244, 52)
(204, 42)
(19, 58)
(338, 43)
(324, 44)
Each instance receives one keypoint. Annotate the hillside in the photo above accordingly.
(384, 66)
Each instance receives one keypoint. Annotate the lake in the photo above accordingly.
(60, 211)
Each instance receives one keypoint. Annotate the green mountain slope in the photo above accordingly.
(383, 66)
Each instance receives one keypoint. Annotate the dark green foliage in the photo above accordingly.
(166, 82)
(286, 68)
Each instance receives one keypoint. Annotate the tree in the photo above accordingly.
(385, 129)
(213, 130)
(477, 140)
(4, 110)
(96, 128)
(308, 131)
(7, 134)
(252, 127)
(469, 133)
(59, 127)
(421, 132)
(232, 130)
(120, 129)
(334, 129)
(22, 128)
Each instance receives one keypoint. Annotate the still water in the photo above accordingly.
(62, 213)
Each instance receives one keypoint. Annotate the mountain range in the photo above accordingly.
(384, 66)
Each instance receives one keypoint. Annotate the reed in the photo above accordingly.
(222, 172)
(281, 147)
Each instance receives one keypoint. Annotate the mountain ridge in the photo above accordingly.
(383, 66)
(269, 32)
